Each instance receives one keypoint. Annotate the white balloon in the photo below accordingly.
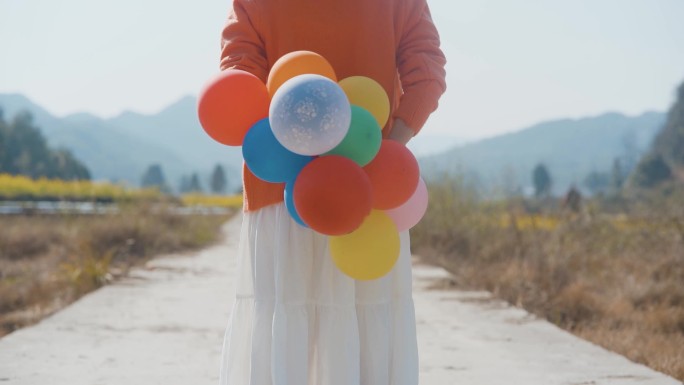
(310, 114)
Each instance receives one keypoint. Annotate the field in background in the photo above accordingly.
(202, 200)
(24, 189)
(18, 187)
(612, 272)
(47, 262)
(50, 257)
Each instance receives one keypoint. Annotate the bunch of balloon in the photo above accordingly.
(323, 139)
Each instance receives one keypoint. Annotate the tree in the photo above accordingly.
(195, 185)
(218, 180)
(184, 184)
(3, 135)
(630, 150)
(652, 171)
(26, 148)
(542, 181)
(63, 165)
(508, 182)
(670, 140)
(24, 151)
(597, 182)
(573, 200)
(154, 177)
(666, 156)
(617, 176)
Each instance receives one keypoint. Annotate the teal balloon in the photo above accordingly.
(267, 158)
(363, 139)
(289, 203)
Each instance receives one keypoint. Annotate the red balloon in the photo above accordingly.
(230, 104)
(333, 195)
(394, 174)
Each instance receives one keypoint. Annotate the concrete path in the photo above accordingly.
(164, 324)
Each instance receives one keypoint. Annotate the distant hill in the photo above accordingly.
(177, 128)
(12, 104)
(570, 149)
(121, 149)
(425, 144)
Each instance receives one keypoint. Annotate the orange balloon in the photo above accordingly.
(332, 195)
(394, 175)
(230, 104)
(298, 63)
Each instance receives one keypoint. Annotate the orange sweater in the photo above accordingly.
(393, 42)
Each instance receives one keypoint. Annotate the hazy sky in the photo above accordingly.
(511, 63)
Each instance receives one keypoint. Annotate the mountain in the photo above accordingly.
(177, 128)
(11, 104)
(121, 148)
(570, 149)
(425, 144)
(115, 155)
(108, 151)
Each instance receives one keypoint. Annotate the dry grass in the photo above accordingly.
(613, 273)
(47, 262)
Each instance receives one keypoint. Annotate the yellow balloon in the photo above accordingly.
(370, 251)
(369, 94)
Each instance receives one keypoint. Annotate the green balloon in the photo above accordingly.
(363, 139)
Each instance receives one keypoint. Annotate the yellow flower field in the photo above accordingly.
(230, 201)
(22, 187)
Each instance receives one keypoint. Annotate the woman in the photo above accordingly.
(297, 319)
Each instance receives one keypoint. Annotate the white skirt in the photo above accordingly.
(298, 320)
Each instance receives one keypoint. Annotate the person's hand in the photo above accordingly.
(401, 132)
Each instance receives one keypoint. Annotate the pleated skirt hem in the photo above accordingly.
(297, 320)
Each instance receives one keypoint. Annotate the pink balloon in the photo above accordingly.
(410, 213)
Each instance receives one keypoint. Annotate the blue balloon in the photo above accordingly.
(289, 203)
(267, 158)
(310, 114)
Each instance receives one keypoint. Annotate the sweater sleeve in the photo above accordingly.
(241, 46)
(420, 63)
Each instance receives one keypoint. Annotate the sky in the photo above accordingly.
(511, 64)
